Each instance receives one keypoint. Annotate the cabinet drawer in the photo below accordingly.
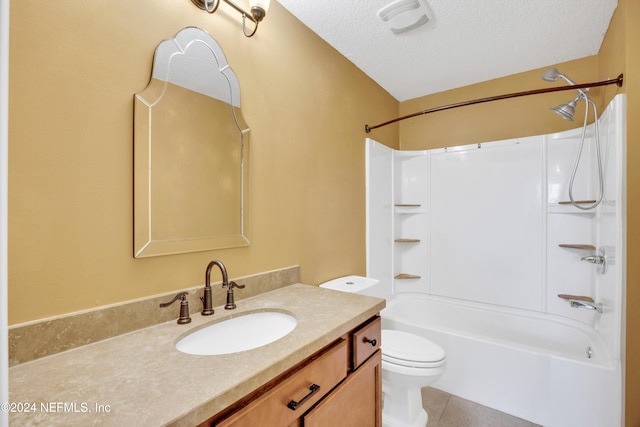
(304, 388)
(366, 341)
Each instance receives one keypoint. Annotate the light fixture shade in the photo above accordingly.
(259, 9)
(262, 4)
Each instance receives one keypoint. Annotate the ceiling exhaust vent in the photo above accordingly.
(404, 15)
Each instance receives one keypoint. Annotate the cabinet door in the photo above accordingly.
(356, 402)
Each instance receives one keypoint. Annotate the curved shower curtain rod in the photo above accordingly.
(617, 81)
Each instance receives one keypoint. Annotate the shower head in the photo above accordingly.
(552, 75)
(566, 111)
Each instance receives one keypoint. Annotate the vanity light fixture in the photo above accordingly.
(258, 11)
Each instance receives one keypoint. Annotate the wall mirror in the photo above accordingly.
(191, 151)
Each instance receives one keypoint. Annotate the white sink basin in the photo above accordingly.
(245, 332)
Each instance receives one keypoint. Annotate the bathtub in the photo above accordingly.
(542, 368)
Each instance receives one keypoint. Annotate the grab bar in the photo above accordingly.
(584, 304)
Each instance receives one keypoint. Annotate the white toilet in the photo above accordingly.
(409, 362)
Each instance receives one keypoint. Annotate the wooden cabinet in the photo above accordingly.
(355, 402)
(365, 341)
(341, 385)
(294, 395)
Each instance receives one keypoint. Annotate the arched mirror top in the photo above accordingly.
(194, 60)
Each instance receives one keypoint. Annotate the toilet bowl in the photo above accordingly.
(409, 363)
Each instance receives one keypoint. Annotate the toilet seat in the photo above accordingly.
(410, 350)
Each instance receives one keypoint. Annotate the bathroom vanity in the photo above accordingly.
(344, 379)
(328, 366)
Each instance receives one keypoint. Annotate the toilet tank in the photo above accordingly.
(358, 285)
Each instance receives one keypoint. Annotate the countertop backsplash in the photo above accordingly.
(33, 340)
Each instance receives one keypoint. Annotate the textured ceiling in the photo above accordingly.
(464, 42)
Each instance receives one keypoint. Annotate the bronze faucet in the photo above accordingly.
(206, 299)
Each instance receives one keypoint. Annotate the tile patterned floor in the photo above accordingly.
(447, 410)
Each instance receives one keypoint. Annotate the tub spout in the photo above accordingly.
(585, 304)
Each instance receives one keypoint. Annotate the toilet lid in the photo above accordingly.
(408, 349)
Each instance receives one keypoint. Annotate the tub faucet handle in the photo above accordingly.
(595, 259)
(600, 260)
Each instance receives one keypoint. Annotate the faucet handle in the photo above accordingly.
(180, 295)
(230, 305)
(232, 285)
(184, 307)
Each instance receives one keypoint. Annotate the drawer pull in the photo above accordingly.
(371, 341)
(293, 405)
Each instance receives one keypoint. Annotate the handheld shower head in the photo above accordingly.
(566, 111)
(552, 75)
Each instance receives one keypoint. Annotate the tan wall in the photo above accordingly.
(74, 67)
(530, 116)
(495, 120)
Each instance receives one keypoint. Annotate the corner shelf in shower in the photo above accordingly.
(579, 246)
(405, 276)
(579, 202)
(576, 297)
(568, 208)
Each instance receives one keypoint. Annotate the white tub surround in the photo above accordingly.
(548, 372)
(475, 243)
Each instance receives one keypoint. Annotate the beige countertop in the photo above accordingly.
(141, 379)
